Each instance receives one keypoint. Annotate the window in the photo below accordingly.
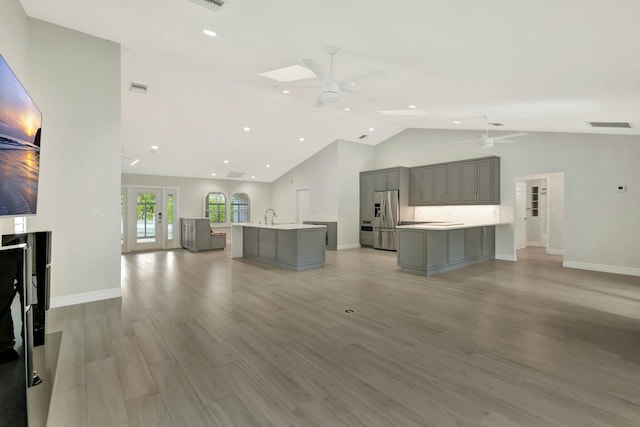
(240, 207)
(215, 207)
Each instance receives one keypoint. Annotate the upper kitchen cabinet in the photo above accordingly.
(388, 179)
(468, 182)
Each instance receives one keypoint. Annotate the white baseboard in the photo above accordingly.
(605, 268)
(555, 251)
(86, 297)
(505, 257)
(349, 246)
(534, 244)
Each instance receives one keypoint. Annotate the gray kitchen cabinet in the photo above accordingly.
(250, 241)
(488, 241)
(454, 183)
(439, 185)
(367, 188)
(473, 238)
(388, 179)
(430, 252)
(457, 247)
(366, 238)
(468, 182)
(488, 183)
(416, 184)
(196, 235)
(331, 233)
(468, 190)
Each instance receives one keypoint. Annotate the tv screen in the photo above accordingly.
(20, 122)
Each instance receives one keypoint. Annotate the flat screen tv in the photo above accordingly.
(20, 122)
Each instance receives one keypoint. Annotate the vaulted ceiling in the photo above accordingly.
(533, 66)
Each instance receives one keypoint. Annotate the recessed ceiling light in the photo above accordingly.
(372, 129)
(134, 162)
(154, 148)
(286, 91)
(213, 174)
(268, 166)
(247, 128)
(347, 109)
(209, 33)
(300, 139)
(457, 122)
(226, 161)
(411, 106)
(253, 177)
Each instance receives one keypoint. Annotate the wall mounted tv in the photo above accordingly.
(20, 122)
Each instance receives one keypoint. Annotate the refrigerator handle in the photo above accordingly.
(384, 211)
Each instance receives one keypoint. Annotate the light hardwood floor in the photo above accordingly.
(203, 340)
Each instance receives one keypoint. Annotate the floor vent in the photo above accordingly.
(614, 125)
(235, 174)
(210, 4)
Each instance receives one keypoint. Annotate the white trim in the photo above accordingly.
(605, 268)
(536, 244)
(506, 257)
(349, 246)
(555, 251)
(86, 297)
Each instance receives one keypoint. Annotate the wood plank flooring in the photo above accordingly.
(204, 340)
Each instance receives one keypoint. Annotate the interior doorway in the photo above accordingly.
(539, 212)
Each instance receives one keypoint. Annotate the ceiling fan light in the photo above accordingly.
(329, 96)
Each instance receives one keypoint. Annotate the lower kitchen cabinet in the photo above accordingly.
(430, 252)
(196, 235)
(366, 238)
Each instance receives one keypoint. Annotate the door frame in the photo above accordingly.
(129, 239)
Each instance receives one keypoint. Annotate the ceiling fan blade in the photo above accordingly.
(314, 67)
(513, 135)
(467, 141)
(361, 77)
(319, 102)
(357, 95)
(287, 86)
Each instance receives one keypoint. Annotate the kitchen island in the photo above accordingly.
(293, 246)
(433, 248)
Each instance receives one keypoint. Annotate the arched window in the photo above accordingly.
(240, 207)
(215, 207)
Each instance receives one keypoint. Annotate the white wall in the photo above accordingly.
(556, 213)
(333, 176)
(75, 81)
(601, 229)
(191, 193)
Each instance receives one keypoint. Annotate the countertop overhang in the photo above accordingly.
(276, 226)
(447, 225)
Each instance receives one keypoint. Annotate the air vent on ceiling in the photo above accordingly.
(210, 4)
(138, 87)
(363, 136)
(235, 174)
(615, 125)
(496, 124)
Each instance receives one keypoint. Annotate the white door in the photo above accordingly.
(146, 219)
(303, 205)
(521, 215)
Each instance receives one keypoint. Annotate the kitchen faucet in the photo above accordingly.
(272, 216)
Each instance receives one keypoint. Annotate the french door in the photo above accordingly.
(148, 220)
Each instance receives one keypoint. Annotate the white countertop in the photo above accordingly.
(277, 226)
(446, 225)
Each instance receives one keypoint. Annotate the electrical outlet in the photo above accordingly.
(621, 188)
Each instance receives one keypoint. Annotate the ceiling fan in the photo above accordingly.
(487, 142)
(330, 88)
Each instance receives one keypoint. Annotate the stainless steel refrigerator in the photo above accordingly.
(386, 216)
